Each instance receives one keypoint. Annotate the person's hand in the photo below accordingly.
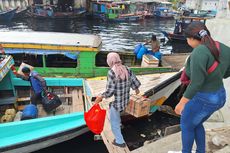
(15, 72)
(147, 42)
(180, 106)
(137, 91)
(98, 100)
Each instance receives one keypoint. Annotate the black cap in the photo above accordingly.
(154, 37)
(26, 70)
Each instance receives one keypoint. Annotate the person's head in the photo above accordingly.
(26, 71)
(197, 33)
(154, 37)
(113, 58)
(114, 62)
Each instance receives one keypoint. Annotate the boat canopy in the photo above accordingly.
(69, 54)
(51, 38)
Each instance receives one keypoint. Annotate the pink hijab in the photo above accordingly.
(114, 62)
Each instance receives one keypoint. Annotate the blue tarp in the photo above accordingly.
(69, 54)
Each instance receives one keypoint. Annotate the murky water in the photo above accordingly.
(115, 36)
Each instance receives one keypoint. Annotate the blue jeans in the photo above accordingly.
(115, 120)
(195, 112)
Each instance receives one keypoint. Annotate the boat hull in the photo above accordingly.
(21, 14)
(31, 135)
(7, 16)
(45, 142)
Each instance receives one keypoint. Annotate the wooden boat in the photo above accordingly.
(21, 13)
(163, 13)
(62, 54)
(51, 12)
(163, 10)
(114, 11)
(180, 26)
(157, 87)
(65, 123)
(144, 7)
(7, 16)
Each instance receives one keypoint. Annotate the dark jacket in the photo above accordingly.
(37, 82)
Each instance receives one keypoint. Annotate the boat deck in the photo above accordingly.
(175, 61)
(98, 85)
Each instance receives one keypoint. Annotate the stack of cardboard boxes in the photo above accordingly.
(138, 106)
(149, 61)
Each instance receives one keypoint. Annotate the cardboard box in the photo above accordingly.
(138, 106)
(23, 65)
(149, 61)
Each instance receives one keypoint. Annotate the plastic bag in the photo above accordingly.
(184, 78)
(95, 119)
(137, 49)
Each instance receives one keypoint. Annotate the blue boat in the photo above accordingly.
(65, 123)
(163, 10)
(163, 13)
(7, 16)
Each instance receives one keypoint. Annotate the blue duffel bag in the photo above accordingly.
(29, 112)
(143, 50)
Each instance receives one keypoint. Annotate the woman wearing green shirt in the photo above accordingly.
(205, 94)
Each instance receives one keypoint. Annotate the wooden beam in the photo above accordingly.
(108, 136)
(60, 96)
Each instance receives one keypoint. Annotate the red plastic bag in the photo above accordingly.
(184, 78)
(95, 119)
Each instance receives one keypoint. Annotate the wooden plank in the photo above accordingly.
(63, 109)
(98, 86)
(147, 82)
(60, 96)
(80, 102)
(66, 89)
(42, 112)
(77, 101)
(23, 99)
(108, 136)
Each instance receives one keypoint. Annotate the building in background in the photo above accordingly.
(202, 4)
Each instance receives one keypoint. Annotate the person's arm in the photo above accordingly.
(180, 106)
(110, 87)
(227, 73)
(21, 76)
(157, 47)
(42, 81)
(135, 83)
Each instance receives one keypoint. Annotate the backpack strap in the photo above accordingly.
(215, 64)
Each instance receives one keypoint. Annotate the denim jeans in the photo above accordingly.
(195, 112)
(115, 120)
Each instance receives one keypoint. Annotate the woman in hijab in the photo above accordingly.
(119, 81)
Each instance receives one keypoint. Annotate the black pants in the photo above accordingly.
(36, 98)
